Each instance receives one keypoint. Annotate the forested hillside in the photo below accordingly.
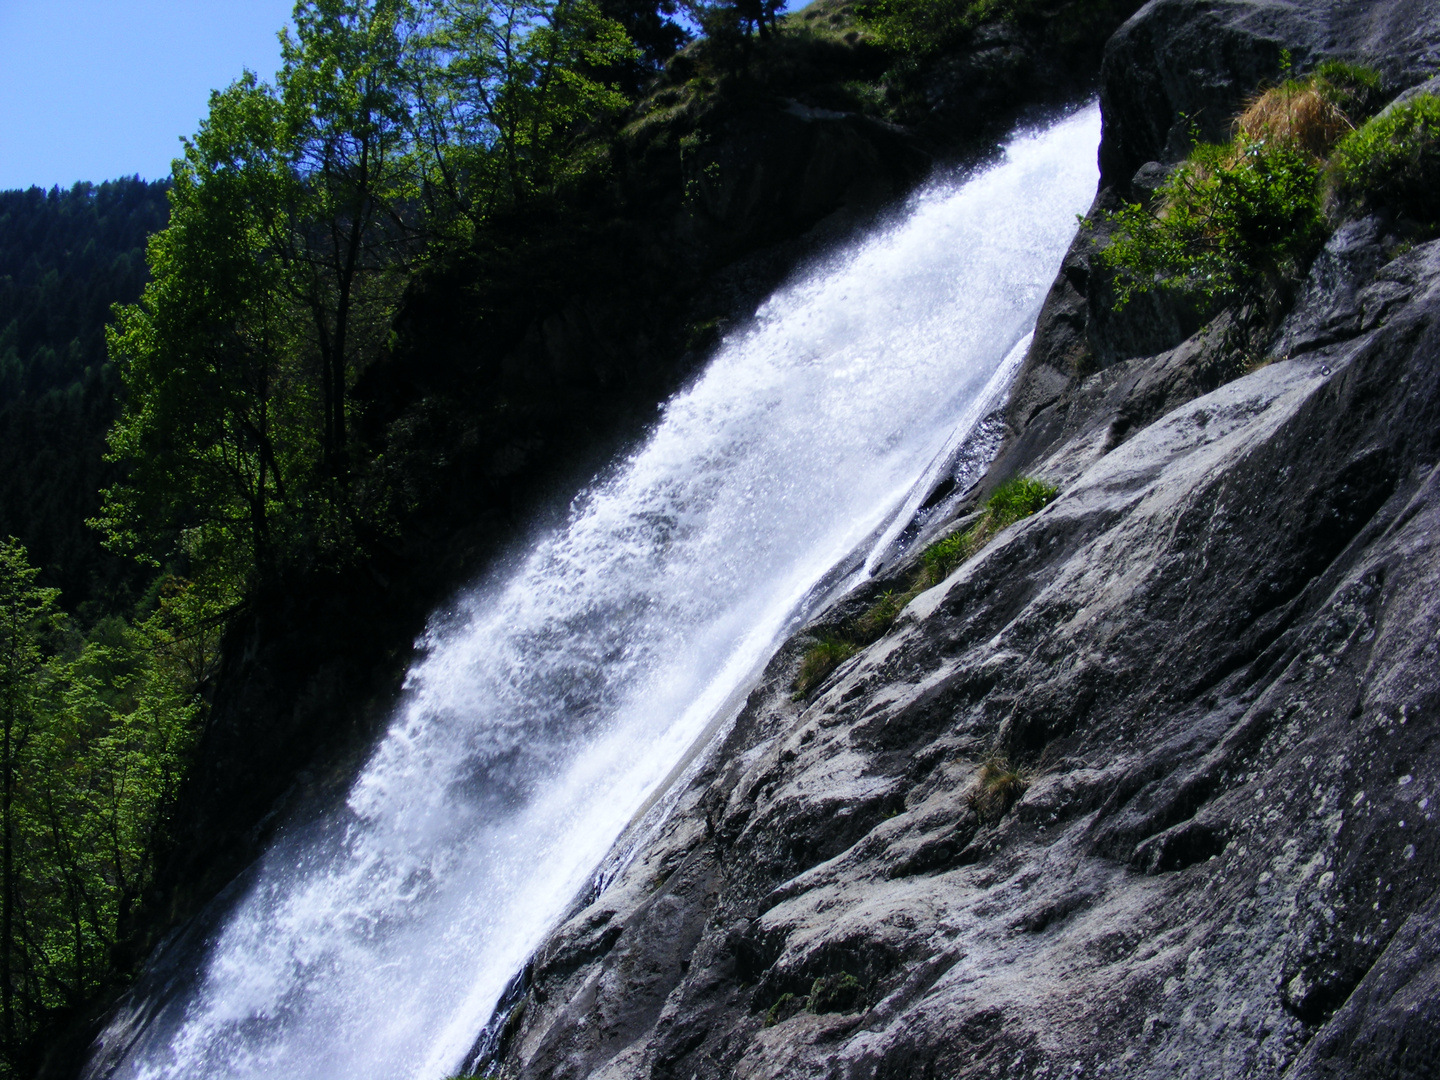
(65, 258)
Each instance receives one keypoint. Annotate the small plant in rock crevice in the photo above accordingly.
(1015, 499)
(997, 787)
(786, 1006)
(840, 992)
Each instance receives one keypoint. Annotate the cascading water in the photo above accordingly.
(553, 700)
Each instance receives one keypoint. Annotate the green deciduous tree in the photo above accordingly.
(219, 427)
(95, 736)
(395, 127)
(500, 89)
(347, 130)
(27, 613)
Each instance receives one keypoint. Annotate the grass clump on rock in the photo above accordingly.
(1015, 499)
(821, 659)
(996, 789)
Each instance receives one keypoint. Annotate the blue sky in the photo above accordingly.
(95, 89)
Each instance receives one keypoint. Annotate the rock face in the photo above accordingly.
(1148, 788)
(1184, 62)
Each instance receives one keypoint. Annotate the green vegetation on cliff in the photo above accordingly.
(1393, 162)
(1237, 220)
(297, 213)
(919, 28)
(1014, 500)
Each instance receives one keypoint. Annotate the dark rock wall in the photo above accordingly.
(1214, 662)
(1184, 62)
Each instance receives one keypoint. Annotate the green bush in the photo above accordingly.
(922, 27)
(1237, 218)
(1015, 499)
(926, 27)
(1394, 161)
(1230, 218)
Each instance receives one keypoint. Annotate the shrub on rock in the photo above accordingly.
(1394, 162)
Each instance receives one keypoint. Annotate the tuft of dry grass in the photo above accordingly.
(1299, 114)
(996, 789)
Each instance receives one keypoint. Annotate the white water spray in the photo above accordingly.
(557, 696)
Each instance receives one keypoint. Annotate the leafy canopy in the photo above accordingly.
(94, 737)
(394, 129)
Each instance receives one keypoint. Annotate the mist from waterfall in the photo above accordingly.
(554, 696)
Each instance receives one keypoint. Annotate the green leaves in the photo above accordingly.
(1227, 218)
(395, 127)
(502, 90)
(218, 422)
(1394, 161)
(923, 27)
(93, 741)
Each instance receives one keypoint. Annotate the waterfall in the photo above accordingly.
(551, 699)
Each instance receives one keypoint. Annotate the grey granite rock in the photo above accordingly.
(1215, 659)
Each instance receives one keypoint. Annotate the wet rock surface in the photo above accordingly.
(1213, 661)
(1211, 669)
